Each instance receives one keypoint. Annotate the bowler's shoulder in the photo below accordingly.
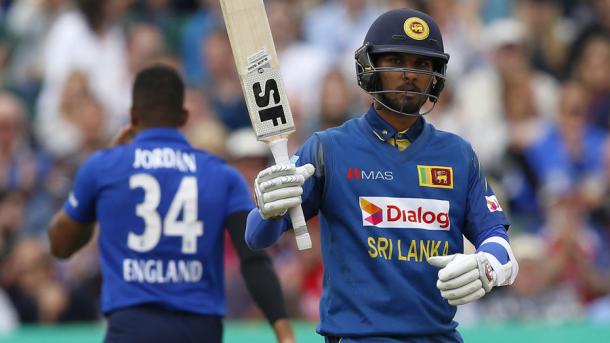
(212, 162)
(105, 156)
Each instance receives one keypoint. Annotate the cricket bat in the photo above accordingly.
(261, 81)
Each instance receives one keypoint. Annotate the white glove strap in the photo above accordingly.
(505, 273)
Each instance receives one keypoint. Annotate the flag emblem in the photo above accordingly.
(416, 28)
(435, 176)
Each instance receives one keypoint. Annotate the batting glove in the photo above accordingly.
(279, 188)
(464, 278)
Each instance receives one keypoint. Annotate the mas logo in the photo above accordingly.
(435, 176)
(416, 28)
(407, 213)
(359, 174)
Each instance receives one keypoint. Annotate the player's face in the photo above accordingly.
(401, 81)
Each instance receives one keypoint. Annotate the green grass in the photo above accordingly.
(260, 332)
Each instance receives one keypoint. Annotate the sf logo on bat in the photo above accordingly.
(264, 94)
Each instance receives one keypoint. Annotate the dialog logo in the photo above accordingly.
(408, 213)
(370, 212)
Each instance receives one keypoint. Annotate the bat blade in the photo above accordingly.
(258, 69)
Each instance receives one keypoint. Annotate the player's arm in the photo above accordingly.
(67, 236)
(279, 188)
(72, 226)
(261, 280)
(464, 278)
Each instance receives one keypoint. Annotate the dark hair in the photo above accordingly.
(93, 11)
(158, 96)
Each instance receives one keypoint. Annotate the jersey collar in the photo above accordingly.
(383, 130)
(161, 133)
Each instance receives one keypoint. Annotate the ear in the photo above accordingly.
(184, 117)
(135, 117)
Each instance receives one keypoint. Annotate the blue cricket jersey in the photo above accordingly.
(161, 206)
(383, 212)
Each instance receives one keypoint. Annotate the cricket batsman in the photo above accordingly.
(395, 198)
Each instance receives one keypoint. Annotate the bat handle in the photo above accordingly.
(279, 149)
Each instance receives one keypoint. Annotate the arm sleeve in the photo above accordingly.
(257, 271)
(262, 233)
(483, 211)
(485, 245)
(81, 202)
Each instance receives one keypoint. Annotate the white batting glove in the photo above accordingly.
(464, 278)
(279, 188)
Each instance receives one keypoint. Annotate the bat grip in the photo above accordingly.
(279, 149)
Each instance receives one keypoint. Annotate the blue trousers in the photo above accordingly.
(453, 337)
(151, 324)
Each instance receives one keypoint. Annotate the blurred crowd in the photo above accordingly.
(528, 85)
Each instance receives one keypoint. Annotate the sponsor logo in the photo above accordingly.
(493, 205)
(374, 215)
(359, 174)
(416, 28)
(415, 213)
(435, 176)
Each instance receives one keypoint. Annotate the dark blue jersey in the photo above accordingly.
(383, 212)
(161, 206)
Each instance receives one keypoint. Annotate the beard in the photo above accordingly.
(399, 103)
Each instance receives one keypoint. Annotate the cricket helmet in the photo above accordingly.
(402, 31)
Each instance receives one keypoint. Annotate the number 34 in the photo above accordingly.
(185, 200)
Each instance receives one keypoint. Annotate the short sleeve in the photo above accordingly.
(81, 202)
(483, 209)
(238, 195)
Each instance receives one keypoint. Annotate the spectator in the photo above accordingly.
(28, 22)
(12, 221)
(101, 56)
(524, 124)
(145, 46)
(593, 71)
(337, 26)
(336, 101)
(195, 32)
(21, 166)
(35, 291)
(549, 35)
(303, 64)
(223, 88)
(162, 15)
(480, 103)
(576, 161)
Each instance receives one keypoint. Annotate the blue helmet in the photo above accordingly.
(402, 31)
